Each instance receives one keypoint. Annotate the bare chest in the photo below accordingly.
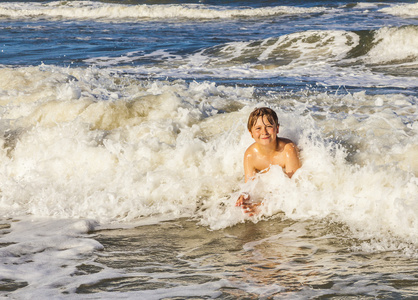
(262, 163)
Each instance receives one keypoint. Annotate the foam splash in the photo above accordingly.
(86, 143)
(326, 186)
(128, 154)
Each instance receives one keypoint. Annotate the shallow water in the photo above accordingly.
(277, 258)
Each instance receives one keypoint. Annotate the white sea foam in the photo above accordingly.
(395, 45)
(86, 148)
(33, 242)
(115, 152)
(76, 144)
(405, 10)
(321, 56)
(99, 10)
(299, 46)
(365, 5)
(383, 187)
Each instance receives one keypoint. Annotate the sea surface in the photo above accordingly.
(122, 134)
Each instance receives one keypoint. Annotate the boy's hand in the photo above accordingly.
(247, 206)
(242, 199)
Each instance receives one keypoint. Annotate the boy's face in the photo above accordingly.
(263, 132)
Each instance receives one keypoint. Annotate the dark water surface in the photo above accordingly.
(271, 259)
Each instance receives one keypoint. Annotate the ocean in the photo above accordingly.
(123, 130)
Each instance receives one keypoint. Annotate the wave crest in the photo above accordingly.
(406, 10)
(97, 10)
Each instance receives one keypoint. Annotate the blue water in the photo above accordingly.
(122, 130)
(68, 42)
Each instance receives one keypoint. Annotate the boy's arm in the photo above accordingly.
(292, 162)
(249, 169)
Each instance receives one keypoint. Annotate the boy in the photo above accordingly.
(267, 150)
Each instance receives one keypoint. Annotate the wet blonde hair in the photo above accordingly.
(261, 112)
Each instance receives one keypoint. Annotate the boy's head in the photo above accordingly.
(261, 112)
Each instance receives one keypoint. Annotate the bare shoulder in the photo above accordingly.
(250, 150)
(291, 157)
(291, 153)
(288, 146)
